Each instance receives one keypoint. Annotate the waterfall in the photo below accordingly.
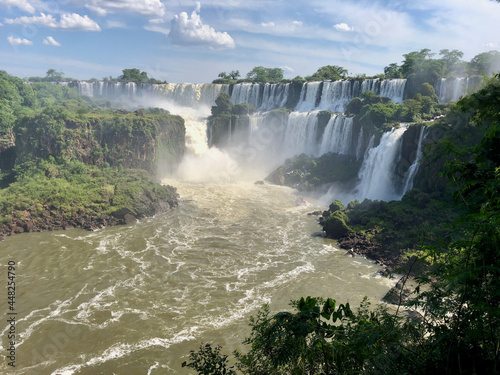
(308, 96)
(336, 95)
(272, 136)
(393, 89)
(412, 171)
(359, 148)
(377, 172)
(337, 136)
(452, 89)
(300, 136)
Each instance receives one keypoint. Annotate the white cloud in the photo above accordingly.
(16, 41)
(21, 4)
(46, 20)
(297, 23)
(192, 31)
(490, 45)
(156, 20)
(51, 42)
(69, 21)
(115, 24)
(73, 21)
(288, 69)
(268, 24)
(157, 29)
(343, 27)
(152, 8)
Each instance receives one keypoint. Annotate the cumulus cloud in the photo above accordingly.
(69, 21)
(51, 42)
(297, 23)
(268, 24)
(74, 21)
(42, 19)
(192, 31)
(151, 8)
(21, 4)
(288, 69)
(17, 41)
(343, 27)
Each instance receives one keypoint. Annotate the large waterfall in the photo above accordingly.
(452, 89)
(272, 136)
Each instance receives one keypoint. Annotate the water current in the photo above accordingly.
(135, 299)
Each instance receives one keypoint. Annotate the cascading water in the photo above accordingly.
(337, 136)
(377, 172)
(300, 136)
(412, 171)
(271, 137)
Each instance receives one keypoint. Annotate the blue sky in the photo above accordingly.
(188, 41)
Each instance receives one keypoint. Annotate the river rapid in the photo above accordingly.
(135, 299)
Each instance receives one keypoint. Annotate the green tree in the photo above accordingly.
(464, 296)
(263, 75)
(451, 61)
(53, 76)
(393, 71)
(133, 75)
(223, 105)
(485, 63)
(328, 73)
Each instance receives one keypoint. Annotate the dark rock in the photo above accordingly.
(315, 213)
(259, 182)
(28, 226)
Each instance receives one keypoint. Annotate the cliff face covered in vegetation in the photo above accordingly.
(68, 162)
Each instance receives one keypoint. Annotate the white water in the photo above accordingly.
(133, 299)
(337, 136)
(376, 174)
(412, 171)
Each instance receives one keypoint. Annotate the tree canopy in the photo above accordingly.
(263, 75)
(328, 73)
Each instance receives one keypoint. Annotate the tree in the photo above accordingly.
(485, 63)
(53, 76)
(393, 71)
(235, 74)
(263, 75)
(223, 105)
(133, 75)
(451, 60)
(328, 73)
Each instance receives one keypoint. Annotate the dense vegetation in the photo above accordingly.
(417, 66)
(128, 75)
(68, 161)
(457, 327)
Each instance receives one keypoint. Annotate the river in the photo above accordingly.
(135, 299)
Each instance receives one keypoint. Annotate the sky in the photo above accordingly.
(189, 41)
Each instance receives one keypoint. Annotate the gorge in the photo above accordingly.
(136, 298)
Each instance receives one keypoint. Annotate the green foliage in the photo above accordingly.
(223, 105)
(228, 78)
(74, 187)
(484, 63)
(327, 73)
(306, 173)
(263, 75)
(209, 361)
